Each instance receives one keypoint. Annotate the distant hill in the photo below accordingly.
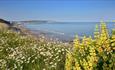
(5, 22)
(6, 25)
(31, 21)
(37, 21)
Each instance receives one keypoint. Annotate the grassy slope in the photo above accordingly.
(3, 26)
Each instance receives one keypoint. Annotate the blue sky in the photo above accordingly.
(58, 10)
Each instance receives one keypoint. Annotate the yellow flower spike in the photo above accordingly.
(104, 37)
(77, 66)
(96, 33)
(76, 42)
(84, 40)
(113, 39)
(69, 60)
(104, 30)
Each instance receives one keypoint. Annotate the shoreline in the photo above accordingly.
(38, 34)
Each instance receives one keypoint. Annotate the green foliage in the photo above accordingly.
(113, 32)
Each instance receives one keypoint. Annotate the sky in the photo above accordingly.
(57, 10)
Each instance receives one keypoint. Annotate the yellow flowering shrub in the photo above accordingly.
(96, 53)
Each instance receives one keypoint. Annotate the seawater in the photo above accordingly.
(67, 30)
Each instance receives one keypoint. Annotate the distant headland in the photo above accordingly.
(37, 21)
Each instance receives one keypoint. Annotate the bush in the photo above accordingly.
(93, 54)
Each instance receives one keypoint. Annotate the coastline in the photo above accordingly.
(20, 28)
(38, 34)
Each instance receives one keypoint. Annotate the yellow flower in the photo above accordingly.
(76, 42)
(89, 51)
(69, 60)
(76, 67)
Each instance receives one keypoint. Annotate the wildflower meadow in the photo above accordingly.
(20, 52)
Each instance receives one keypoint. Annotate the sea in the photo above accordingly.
(66, 30)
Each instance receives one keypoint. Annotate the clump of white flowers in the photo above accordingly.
(18, 52)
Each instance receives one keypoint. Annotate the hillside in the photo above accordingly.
(4, 24)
